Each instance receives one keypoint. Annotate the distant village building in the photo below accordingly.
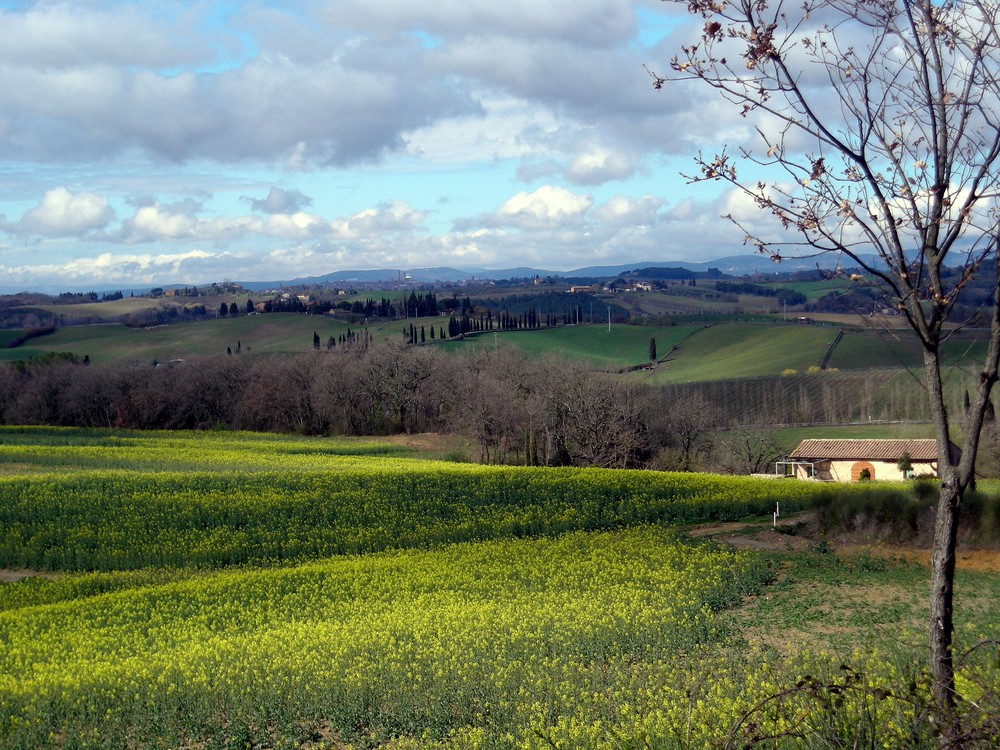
(852, 460)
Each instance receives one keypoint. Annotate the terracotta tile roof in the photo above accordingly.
(883, 450)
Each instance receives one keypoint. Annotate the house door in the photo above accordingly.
(859, 467)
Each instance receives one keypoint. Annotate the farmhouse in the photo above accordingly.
(849, 460)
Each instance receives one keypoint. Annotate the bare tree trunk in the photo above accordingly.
(943, 547)
(957, 475)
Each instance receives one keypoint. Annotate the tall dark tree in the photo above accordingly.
(652, 349)
(223, 310)
(879, 123)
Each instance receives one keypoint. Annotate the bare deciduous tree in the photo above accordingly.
(686, 426)
(879, 139)
(748, 450)
(486, 401)
(603, 419)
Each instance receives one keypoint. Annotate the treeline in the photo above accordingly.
(561, 307)
(504, 313)
(514, 408)
(656, 272)
(28, 334)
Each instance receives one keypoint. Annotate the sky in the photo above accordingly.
(149, 143)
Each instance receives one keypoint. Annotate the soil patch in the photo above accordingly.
(798, 532)
(987, 560)
(790, 534)
(427, 443)
(12, 576)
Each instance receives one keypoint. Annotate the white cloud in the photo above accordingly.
(599, 165)
(114, 268)
(547, 207)
(71, 34)
(587, 22)
(388, 218)
(276, 140)
(61, 213)
(290, 226)
(279, 201)
(271, 109)
(621, 211)
(153, 222)
(157, 222)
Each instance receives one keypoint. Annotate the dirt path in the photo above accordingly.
(796, 533)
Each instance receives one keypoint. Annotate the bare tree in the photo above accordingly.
(879, 131)
(486, 401)
(603, 421)
(686, 426)
(748, 450)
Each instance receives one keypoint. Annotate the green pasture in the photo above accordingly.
(8, 336)
(813, 290)
(750, 349)
(21, 353)
(701, 300)
(696, 348)
(734, 350)
(789, 437)
(622, 346)
(875, 348)
(114, 309)
(275, 333)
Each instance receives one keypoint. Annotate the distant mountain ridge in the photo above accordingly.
(733, 265)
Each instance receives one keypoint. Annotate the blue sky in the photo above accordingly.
(184, 142)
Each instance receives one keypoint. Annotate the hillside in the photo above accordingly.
(691, 350)
(278, 333)
(620, 347)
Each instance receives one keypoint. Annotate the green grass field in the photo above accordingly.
(282, 333)
(622, 346)
(731, 350)
(789, 437)
(7, 336)
(115, 309)
(707, 347)
(742, 349)
(276, 333)
(813, 290)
